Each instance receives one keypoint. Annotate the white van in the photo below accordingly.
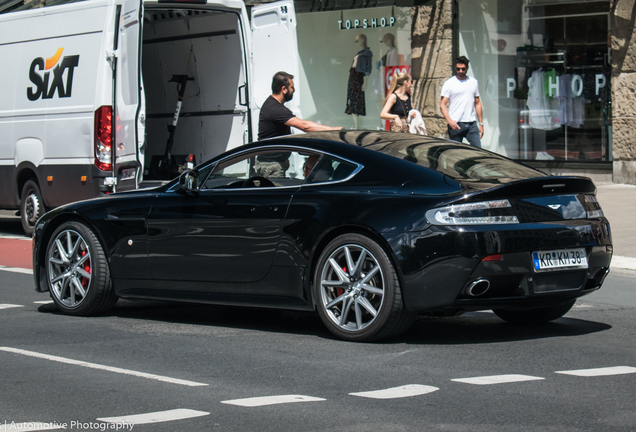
(87, 84)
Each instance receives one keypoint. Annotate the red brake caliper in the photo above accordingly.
(87, 269)
(340, 291)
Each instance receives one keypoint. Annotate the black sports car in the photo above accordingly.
(367, 228)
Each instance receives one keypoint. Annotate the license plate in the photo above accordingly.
(128, 173)
(560, 259)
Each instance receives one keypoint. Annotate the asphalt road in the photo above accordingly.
(192, 367)
(160, 366)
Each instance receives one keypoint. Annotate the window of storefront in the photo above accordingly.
(329, 42)
(543, 68)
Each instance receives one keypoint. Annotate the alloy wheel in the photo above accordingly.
(352, 287)
(69, 268)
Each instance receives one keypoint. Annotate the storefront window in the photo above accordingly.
(345, 52)
(544, 76)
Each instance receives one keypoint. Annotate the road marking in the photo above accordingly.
(29, 426)
(497, 379)
(103, 367)
(43, 301)
(397, 392)
(271, 400)
(8, 306)
(616, 370)
(155, 417)
(16, 270)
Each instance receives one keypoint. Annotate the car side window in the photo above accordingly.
(270, 168)
(330, 169)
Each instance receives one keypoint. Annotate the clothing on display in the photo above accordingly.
(362, 61)
(542, 110)
(360, 68)
(390, 58)
(571, 107)
(355, 95)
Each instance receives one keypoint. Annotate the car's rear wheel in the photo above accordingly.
(534, 316)
(357, 291)
(77, 272)
(31, 206)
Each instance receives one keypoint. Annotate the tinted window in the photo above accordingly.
(259, 169)
(330, 169)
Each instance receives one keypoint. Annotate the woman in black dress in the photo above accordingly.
(397, 104)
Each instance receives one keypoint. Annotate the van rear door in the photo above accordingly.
(128, 97)
(274, 48)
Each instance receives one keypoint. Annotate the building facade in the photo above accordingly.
(557, 78)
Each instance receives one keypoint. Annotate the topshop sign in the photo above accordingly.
(363, 23)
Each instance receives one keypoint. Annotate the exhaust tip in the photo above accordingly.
(478, 287)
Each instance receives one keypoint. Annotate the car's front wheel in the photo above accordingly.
(534, 316)
(357, 291)
(77, 272)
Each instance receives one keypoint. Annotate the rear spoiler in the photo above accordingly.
(552, 185)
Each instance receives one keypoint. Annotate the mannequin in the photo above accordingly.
(391, 56)
(360, 69)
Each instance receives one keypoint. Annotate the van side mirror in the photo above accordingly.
(189, 181)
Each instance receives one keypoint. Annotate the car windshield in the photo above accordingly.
(459, 162)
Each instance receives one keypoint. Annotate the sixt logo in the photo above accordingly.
(42, 87)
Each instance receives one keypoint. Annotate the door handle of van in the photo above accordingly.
(243, 95)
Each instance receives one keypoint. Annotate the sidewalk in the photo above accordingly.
(618, 202)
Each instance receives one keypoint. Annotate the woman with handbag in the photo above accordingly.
(397, 104)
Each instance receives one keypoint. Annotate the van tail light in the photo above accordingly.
(104, 138)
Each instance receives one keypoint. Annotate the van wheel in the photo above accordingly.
(357, 291)
(31, 206)
(77, 271)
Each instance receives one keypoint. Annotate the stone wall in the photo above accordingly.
(623, 39)
(431, 60)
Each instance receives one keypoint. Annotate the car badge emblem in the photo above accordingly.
(554, 206)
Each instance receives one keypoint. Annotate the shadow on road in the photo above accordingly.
(10, 224)
(473, 328)
(479, 328)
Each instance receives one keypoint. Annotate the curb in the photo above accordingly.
(621, 262)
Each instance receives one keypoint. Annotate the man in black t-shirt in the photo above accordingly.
(276, 120)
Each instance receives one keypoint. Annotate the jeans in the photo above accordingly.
(468, 130)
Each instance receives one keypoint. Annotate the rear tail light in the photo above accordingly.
(103, 138)
(480, 213)
(593, 208)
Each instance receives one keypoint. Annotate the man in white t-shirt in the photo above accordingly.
(461, 106)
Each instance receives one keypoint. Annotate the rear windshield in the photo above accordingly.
(459, 162)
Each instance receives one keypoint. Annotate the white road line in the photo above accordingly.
(616, 370)
(16, 270)
(397, 392)
(155, 417)
(271, 400)
(497, 379)
(8, 306)
(43, 301)
(103, 367)
(15, 426)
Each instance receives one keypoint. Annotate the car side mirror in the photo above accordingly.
(189, 181)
